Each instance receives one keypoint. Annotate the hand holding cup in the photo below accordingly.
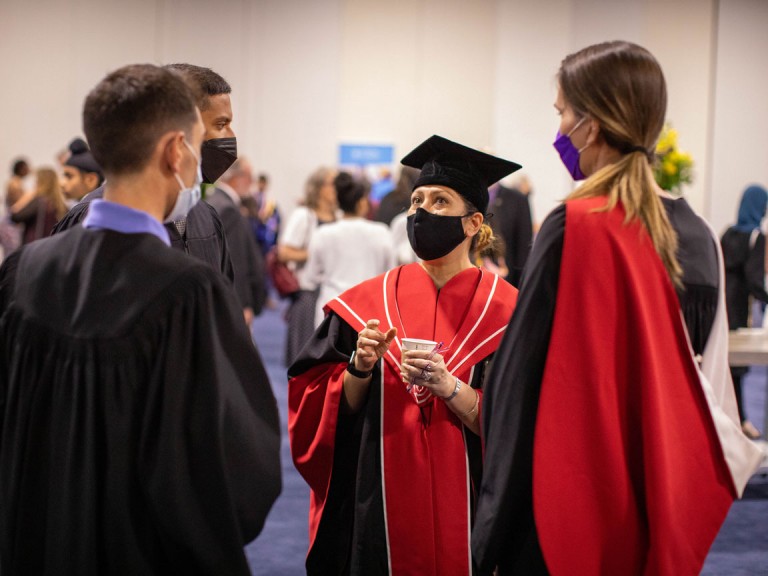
(423, 365)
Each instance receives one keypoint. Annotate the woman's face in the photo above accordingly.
(437, 199)
(568, 121)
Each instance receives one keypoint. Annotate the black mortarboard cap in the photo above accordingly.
(81, 158)
(466, 170)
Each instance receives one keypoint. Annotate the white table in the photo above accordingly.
(749, 347)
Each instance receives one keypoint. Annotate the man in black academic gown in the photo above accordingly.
(139, 433)
(200, 233)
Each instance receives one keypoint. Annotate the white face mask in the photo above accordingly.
(187, 197)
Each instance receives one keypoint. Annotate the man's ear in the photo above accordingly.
(169, 147)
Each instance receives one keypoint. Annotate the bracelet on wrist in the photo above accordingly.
(455, 390)
(477, 403)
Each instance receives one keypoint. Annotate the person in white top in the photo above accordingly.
(318, 209)
(350, 250)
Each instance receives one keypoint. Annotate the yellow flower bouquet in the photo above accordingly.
(673, 168)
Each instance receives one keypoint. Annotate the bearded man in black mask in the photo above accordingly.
(199, 232)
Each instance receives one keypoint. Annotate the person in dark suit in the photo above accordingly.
(512, 222)
(399, 199)
(247, 260)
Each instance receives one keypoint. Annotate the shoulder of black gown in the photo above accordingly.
(206, 240)
(504, 533)
(7, 278)
(333, 341)
(100, 268)
(696, 251)
(203, 220)
(697, 256)
(78, 211)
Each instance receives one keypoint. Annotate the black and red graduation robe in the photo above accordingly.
(392, 486)
(602, 456)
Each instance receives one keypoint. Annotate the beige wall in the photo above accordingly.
(308, 75)
(282, 59)
(535, 36)
(411, 69)
(740, 128)
(51, 53)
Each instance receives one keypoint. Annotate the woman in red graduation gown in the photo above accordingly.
(388, 440)
(606, 451)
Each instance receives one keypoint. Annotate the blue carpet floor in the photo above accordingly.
(740, 549)
(281, 547)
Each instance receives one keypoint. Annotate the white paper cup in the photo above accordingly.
(417, 344)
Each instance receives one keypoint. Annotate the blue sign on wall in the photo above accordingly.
(362, 154)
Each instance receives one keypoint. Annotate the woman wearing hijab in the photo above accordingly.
(388, 439)
(606, 450)
(744, 254)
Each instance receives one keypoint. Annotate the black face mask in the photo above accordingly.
(218, 154)
(432, 236)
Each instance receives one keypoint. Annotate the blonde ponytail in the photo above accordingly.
(483, 239)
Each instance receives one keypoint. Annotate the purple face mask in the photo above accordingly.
(569, 154)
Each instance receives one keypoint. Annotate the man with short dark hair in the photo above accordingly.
(139, 431)
(200, 233)
(215, 104)
(81, 174)
(513, 224)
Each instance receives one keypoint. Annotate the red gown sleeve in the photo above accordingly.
(314, 394)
